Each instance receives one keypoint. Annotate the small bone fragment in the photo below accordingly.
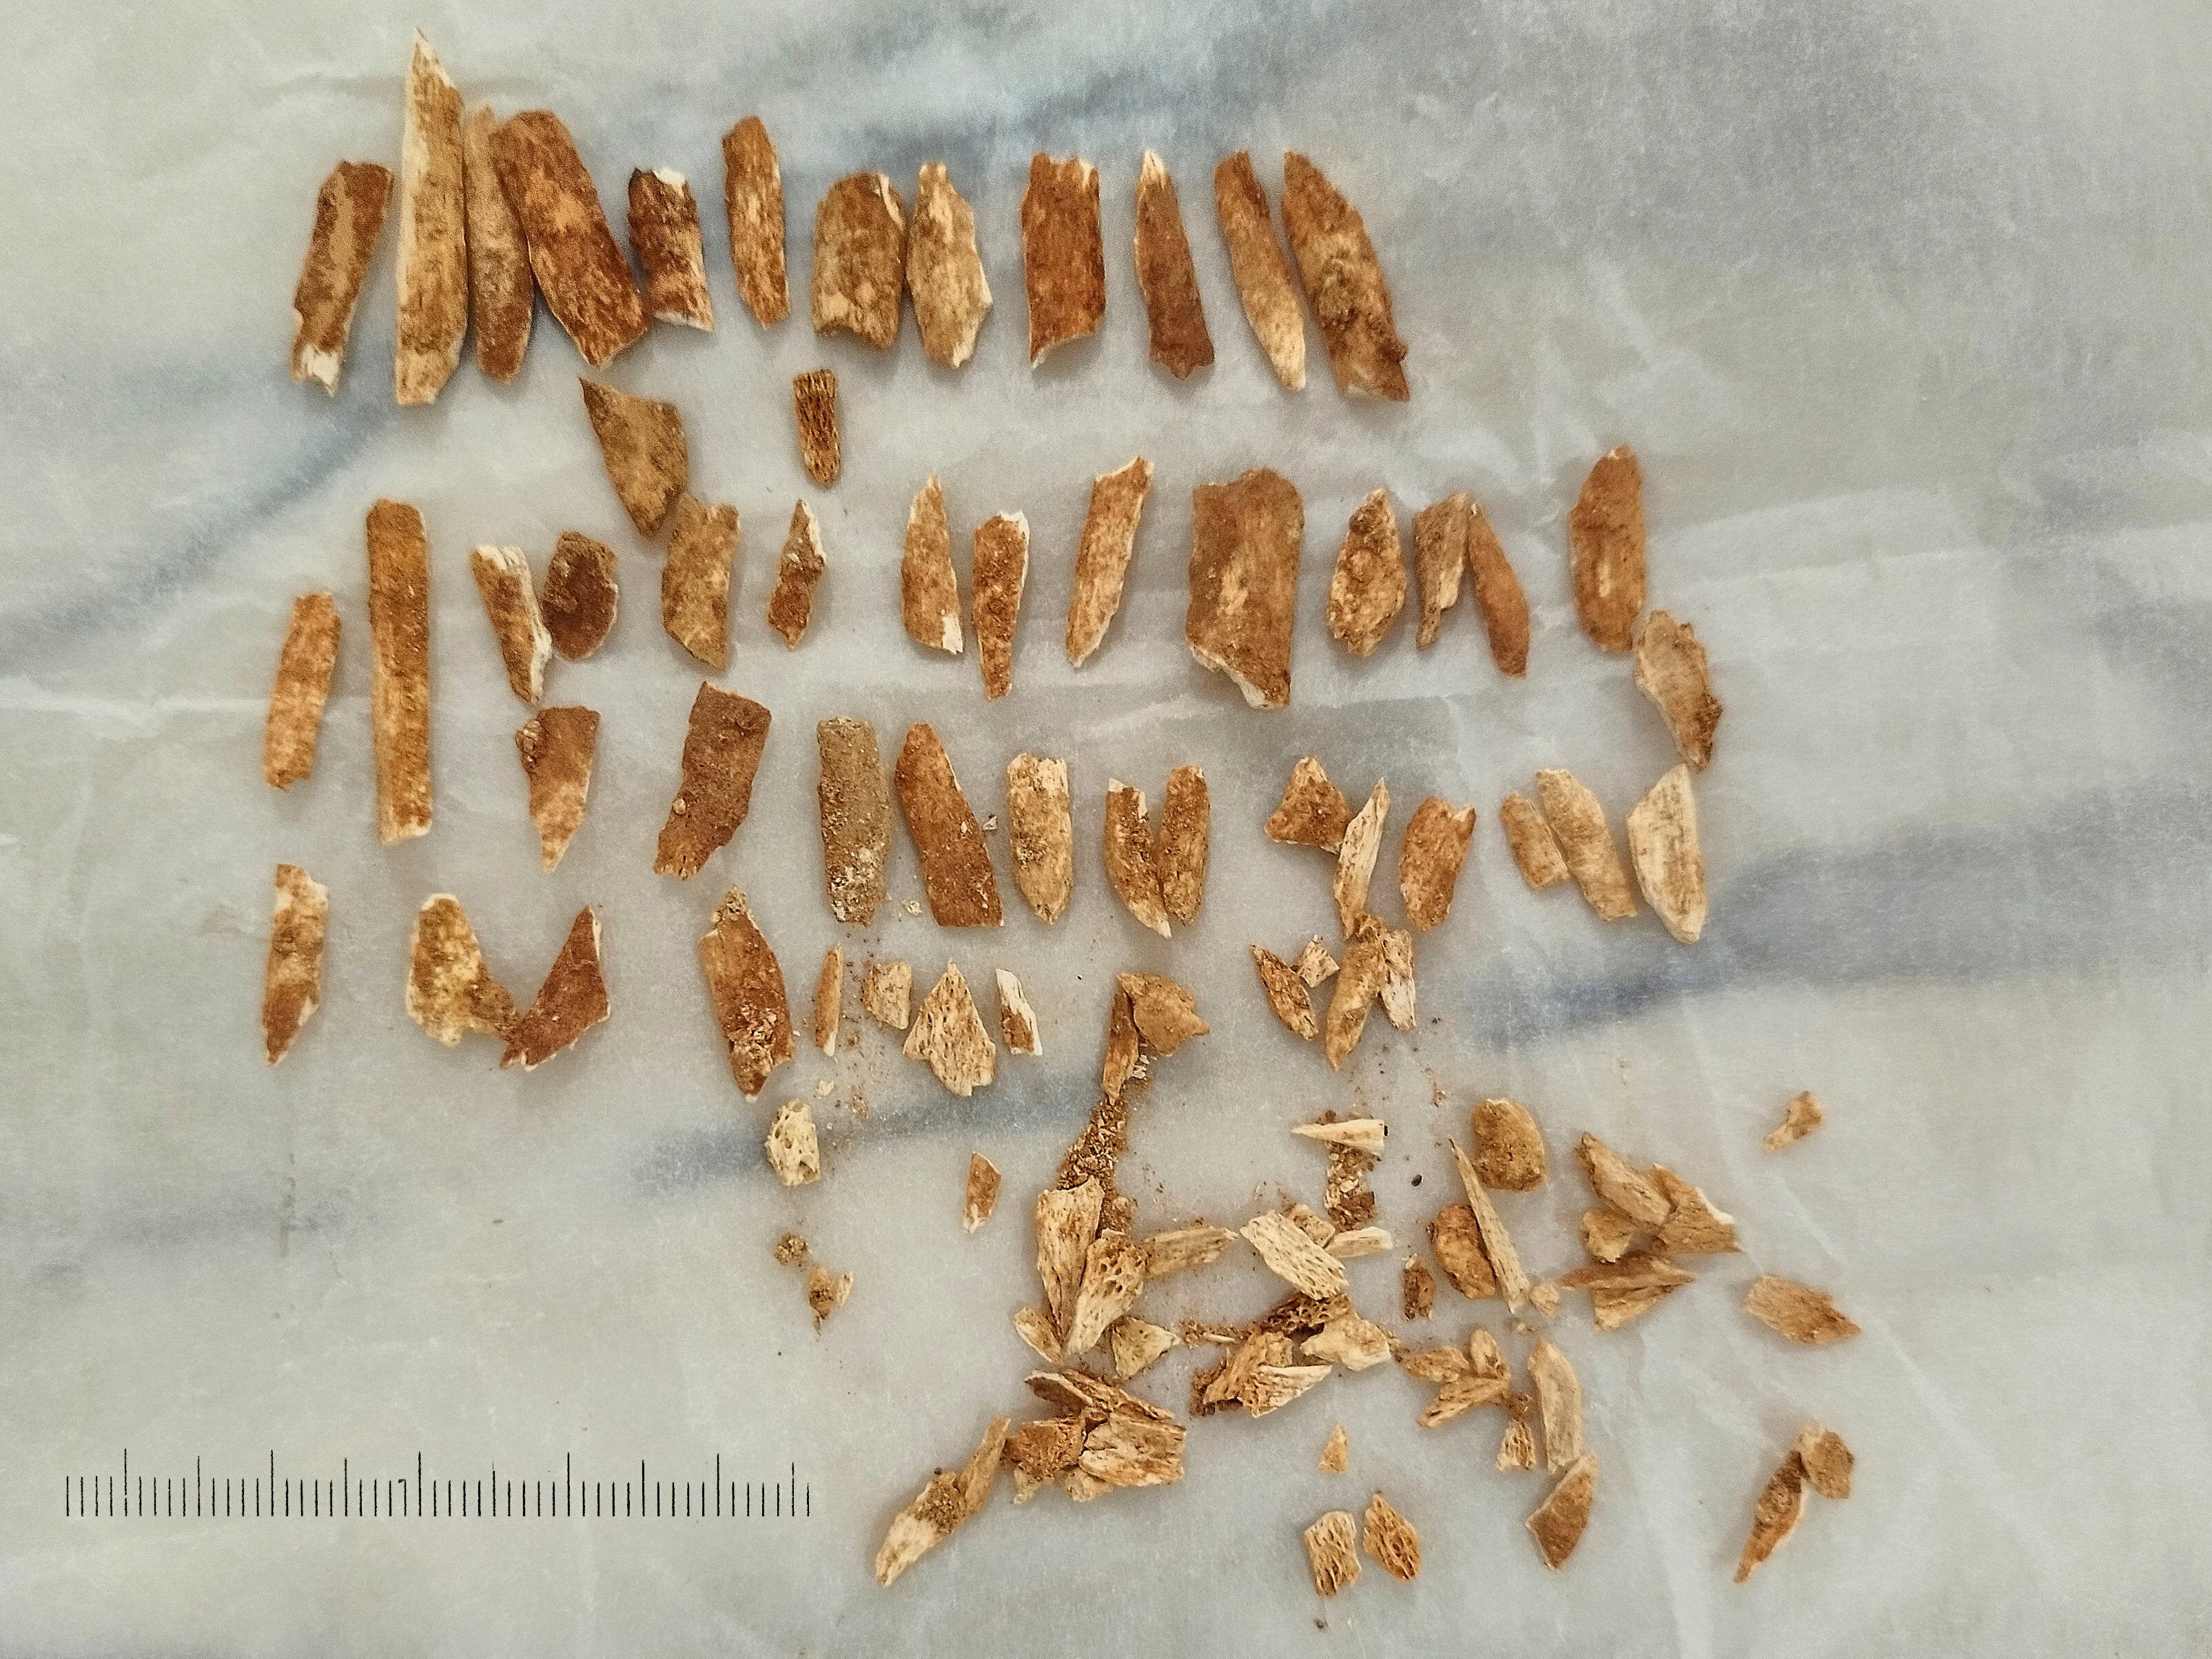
(1128, 856)
(1417, 1289)
(1390, 1539)
(1330, 1553)
(1693, 1226)
(1440, 559)
(1497, 595)
(1670, 670)
(745, 983)
(1179, 855)
(572, 999)
(1781, 1505)
(1001, 570)
(1430, 857)
(1262, 274)
(642, 442)
(956, 865)
(1368, 589)
(860, 259)
(399, 669)
(829, 999)
(1670, 866)
(1135, 1343)
(1578, 824)
(752, 196)
(1457, 1241)
(1797, 1311)
(1315, 963)
(798, 574)
(695, 579)
(510, 601)
(1559, 1402)
(574, 255)
(1396, 989)
(929, 594)
(1245, 539)
(826, 1292)
(1606, 1233)
(1166, 277)
(1063, 259)
(1611, 1309)
(502, 298)
(1163, 1012)
(1041, 833)
(1313, 812)
(449, 989)
(1559, 1521)
(302, 688)
(1605, 536)
(887, 993)
(1828, 1461)
(814, 407)
(1508, 1147)
(1018, 1022)
(1293, 1257)
(1352, 1342)
(1336, 1455)
(1113, 1277)
(1799, 1118)
(1364, 1134)
(349, 218)
(433, 266)
(1619, 1183)
(855, 809)
(580, 599)
(1517, 1449)
(722, 745)
(793, 1151)
(1286, 993)
(1535, 850)
(1355, 1242)
(981, 1196)
(1343, 283)
(1504, 1260)
(1101, 560)
(292, 980)
(558, 746)
(1181, 1248)
(663, 228)
(1066, 1221)
(1366, 969)
(949, 1034)
(1355, 856)
(943, 268)
(950, 1498)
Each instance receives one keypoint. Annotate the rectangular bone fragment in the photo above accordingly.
(814, 409)
(929, 594)
(745, 983)
(510, 601)
(1797, 1311)
(581, 597)
(1113, 1278)
(887, 994)
(752, 195)
(855, 809)
(950, 1036)
(574, 255)
(1245, 539)
(432, 267)
(1262, 274)
(798, 574)
(1286, 993)
(1535, 850)
(450, 991)
(1429, 860)
(949, 1498)
(1440, 558)
(1067, 1222)
(1330, 1554)
(948, 842)
(1040, 834)
(1560, 1403)
(1620, 1183)
(663, 228)
(1166, 277)
(1294, 1258)
(1605, 539)
(557, 746)
(1670, 866)
(1128, 852)
(399, 668)
(1063, 257)
(1367, 589)
(1671, 671)
(502, 298)
(292, 980)
(943, 268)
(1017, 1021)
(723, 744)
(572, 999)
(349, 218)
(642, 442)
(995, 582)
(829, 999)
(1181, 1248)
(794, 1151)
(302, 686)
(1179, 856)
(1343, 283)
(1102, 560)
(1355, 854)
(695, 577)
(1497, 595)
(982, 1194)
(860, 259)
(1578, 823)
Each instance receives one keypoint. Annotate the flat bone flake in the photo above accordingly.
(1605, 540)
(1336, 1452)
(1560, 1520)
(948, 842)
(929, 592)
(572, 999)
(814, 411)
(1313, 812)
(1535, 848)
(981, 1196)
(1245, 539)
(1166, 277)
(432, 267)
(1670, 866)
(1113, 1278)
(1389, 1538)
(887, 994)
(1430, 858)
(292, 980)
(1799, 1118)
(574, 255)
(1781, 1505)
(1620, 1184)
(1128, 856)
(1179, 856)
(1330, 1553)
(557, 747)
(1358, 984)
(399, 669)
(1440, 557)
(944, 269)
(1343, 283)
(1017, 1021)
(1634, 1272)
(1001, 570)
(1180, 1250)
(745, 982)
(1797, 1311)
(1577, 822)
(502, 297)
(949, 1498)
(1497, 595)
(798, 573)
(1355, 856)
(1286, 993)
(1293, 1257)
(1828, 1461)
(1261, 273)
(855, 805)
(1102, 559)
(450, 991)
(580, 598)
(860, 259)
(1508, 1147)
(663, 228)
(1315, 963)
(1456, 1239)
(642, 442)
(1163, 1012)
(1606, 1234)
(794, 1153)
(1368, 588)
(1560, 1403)
(1063, 259)
(349, 218)
(949, 1034)
(1066, 1221)
(752, 197)
(510, 601)
(1693, 1226)
(695, 577)
(829, 999)
(1671, 671)
(1496, 1245)
(302, 689)
(1040, 834)
(723, 744)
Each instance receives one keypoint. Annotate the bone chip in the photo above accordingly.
(1799, 1118)
(1390, 1539)
(399, 669)
(292, 980)
(1040, 834)
(580, 598)
(433, 266)
(1135, 1343)
(1693, 1226)
(1606, 1234)
(1330, 1553)
(1336, 1453)
(450, 991)
(1364, 1134)
(302, 686)
(814, 407)
(798, 574)
(1354, 1343)
(1343, 283)
(855, 805)
(1605, 538)
(1535, 850)
(1018, 1022)
(949, 1498)
(1586, 843)
(1560, 1403)
(1457, 1241)
(1781, 1505)
(745, 983)
(1063, 259)
(1261, 273)
(723, 744)
(349, 218)
(574, 255)
(1430, 858)
(956, 865)
(982, 1193)
(1113, 1277)
(887, 994)
(1293, 1257)
(1440, 558)
(1368, 588)
(695, 579)
(572, 999)
(1128, 851)
(510, 601)
(943, 268)
(1497, 595)
(1671, 671)
(1619, 1183)
(1558, 1521)
(1417, 1290)
(1315, 963)
(642, 442)
(1508, 1147)
(1366, 969)
(1181, 1248)
(1179, 856)
(1102, 558)
(929, 594)
(1611, 1309)
(996, 579)
(1067, 1222)
(1828, 1461)
(502, 297)
(1496, 1245)
(1245, 539)
(826, 1292)
(860, 259)
(1797, 1311)
(1396, 990)
(752, 197)
(793, 1151)
(1670, 866)
(1286, 993)
(829, 999)
(949, 1034)
(557, 746)
(1166, 277)
(1313, 812)
(1355, 854)
(790, 1251)
(663, 228)
(1516, 1449)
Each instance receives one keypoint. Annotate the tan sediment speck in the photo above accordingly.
(1430, 856)
(1261, 273)
(929, 592)
(399, 669)
(1670, 865)
(348, 217)
(956, 863)
(574, 255)
(510, 602)
(557, 746)
(745, 982)
(1166, 277)
(432, 270)
(580, 598)
(826, 1292)
(860, 259)
(302, 686)
(1578, 824)
(1041, 833)
(1063, 259)
(1102, 559)
(1605, 539)
(572, 999)
(450, 991)
(1367, 589)
(949, 1034)
(855, 805)
(723, 744)
(752, 197)
(1245, 540)
(292, 978)
(1535, 848)
(663, 228)
(996, 579)
(695, 577)
(642, 442)
(945, 269)
(1343, 283)
(814, 409)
